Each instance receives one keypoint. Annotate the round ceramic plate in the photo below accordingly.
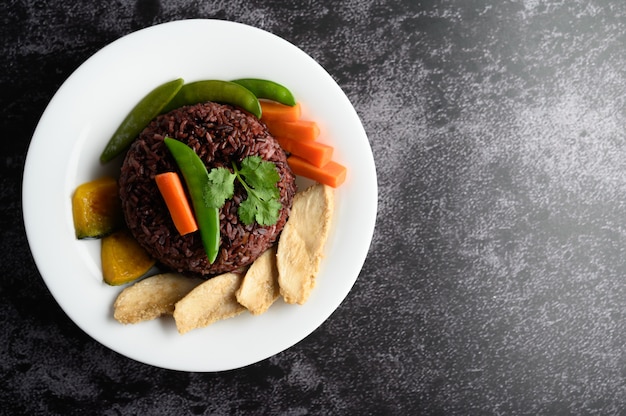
(79, 121)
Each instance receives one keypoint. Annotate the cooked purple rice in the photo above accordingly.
(219, 134)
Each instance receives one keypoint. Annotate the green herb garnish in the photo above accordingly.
(259, 178)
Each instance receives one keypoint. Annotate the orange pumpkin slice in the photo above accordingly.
(96, 208)
(123, 259)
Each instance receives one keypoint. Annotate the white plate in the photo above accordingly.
(79, 121)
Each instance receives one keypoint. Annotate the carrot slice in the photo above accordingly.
(318, 154)
(297, 130)
(173, 193)
(332, 174)
(272, 110)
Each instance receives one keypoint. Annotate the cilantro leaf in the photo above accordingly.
(255, 209)
(259, 178)
(259, 173)
(267, 194)
(219, 188)
(247, 211)
(267, 214)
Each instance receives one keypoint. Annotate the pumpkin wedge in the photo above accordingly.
(96, 208)
(123, 259)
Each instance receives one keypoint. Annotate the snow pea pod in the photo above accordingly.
(196, 178)
(149, 107)
(224, 92)
(267, 89)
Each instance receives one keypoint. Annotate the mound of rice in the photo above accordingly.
(219, 134)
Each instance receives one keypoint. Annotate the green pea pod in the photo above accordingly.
(148, 108)
(196, 178)
(224, 92)
(267, 89)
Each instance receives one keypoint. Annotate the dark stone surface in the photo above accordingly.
(495, 283)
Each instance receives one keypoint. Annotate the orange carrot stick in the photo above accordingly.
(173, 193)
(316, 153)
(272, 110)
(297, 130)
(332, 174)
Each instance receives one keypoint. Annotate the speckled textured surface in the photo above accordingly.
(496, 279)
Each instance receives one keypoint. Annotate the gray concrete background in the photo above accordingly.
(495, 283)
